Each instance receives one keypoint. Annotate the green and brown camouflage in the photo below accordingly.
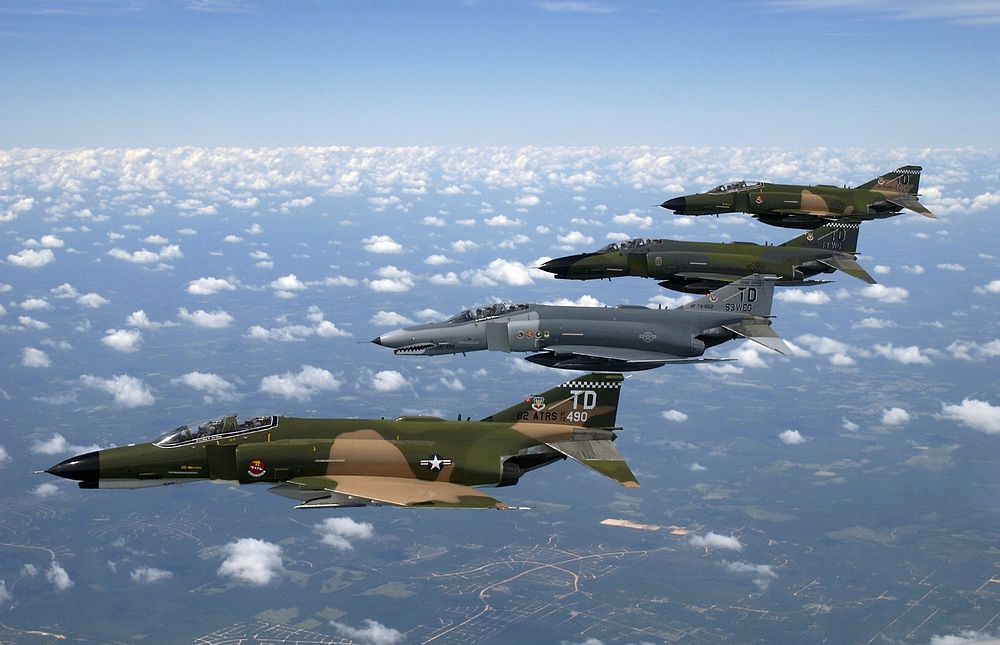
(807, 207)
(407, 461)
(700, 267)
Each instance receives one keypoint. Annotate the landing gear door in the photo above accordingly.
(497, 339)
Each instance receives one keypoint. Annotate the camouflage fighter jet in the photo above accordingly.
(624, 338)
(699, 267)
(808, 207)
(407, 461)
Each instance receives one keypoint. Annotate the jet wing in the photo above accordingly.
(624, 354)
(600, 455)
(910, 202)
(361, 490)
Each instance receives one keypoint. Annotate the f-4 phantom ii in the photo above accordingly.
(699, 267)
(808, 207)
(624, 338)
(407, 461)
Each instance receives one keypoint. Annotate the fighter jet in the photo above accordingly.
(407, 461)
(624, 338)
(808, 207)
(699, 267)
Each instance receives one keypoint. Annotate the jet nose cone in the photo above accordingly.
(377, 340)
(676, 204)
(84, 468)
(557, 266)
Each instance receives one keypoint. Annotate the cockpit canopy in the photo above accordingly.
(213, 430)
(490, 311)
(734, 186)
(627, 245)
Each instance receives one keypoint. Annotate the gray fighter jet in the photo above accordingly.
(623, 338)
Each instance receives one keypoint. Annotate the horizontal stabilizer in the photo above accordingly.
(361, 490)
(762, 334)
(910, 202)
(849, 266)
(600, 455)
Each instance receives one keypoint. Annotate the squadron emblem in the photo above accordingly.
(538, 403)
(256, 468)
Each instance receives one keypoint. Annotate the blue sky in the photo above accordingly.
(826, 73)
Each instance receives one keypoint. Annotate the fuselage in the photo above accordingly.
(473, 453)
(675, 332)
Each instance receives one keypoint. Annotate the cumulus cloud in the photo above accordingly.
(123, 340)
(128, 391)
(911, 355)
(149, 575)
(391, 280)
(976, 414)
(251, 560)
(372, 633)
(803, 296)
(143, 256)
(575, 238)
(58, 577)
(437, 260)
(212, 386)
(46, 490)
(716, 541)
(631, 219)
(287, 285)
(337, 532)
(389, 381)
(887, 295)
(501, 271)
(5, 596)
(461, 246)
(990, 288)
(762, 574)
(32, 259)
(302, 386)
(970, 350)
(32, 357)
(895, 416)
(791, 437)
(212, 320)
(874, 323)
(390, 319)
(35, 304)
(502, 220)
(58, 445)
(209, 286)
(675, 415)
(966, 637)
(92, 300)
(382, 244)
(140, 320)
(697, 468)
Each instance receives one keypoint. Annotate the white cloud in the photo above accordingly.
(22, 205)
(35, 304)
(123, 340)
(140, 320)
(874, 323)
(823, 345)
(209, 286)
(849, 425)
(950, 266)
(32, 323)
(881, 269)
(503, 220)
(391, 280)
(390, 319)
(340, 281)
(888, 295)
(149, 575)
(431, 220)
(338, 532)
(697, 468)
(288, 282)
(992, 287)
(326, 329)
(437, 260)
(895, 416)
(449, 279)
(763, 573)
(631, 219)
(155, 239)
(976, 414)
(128, 391)
(65, 290)
(4, 455)
(92, 300)
(575, 238)
(501, 271)
(32, 259)
(32, 357)
(309, 381)
(527, 200)
(915, 269)
(803, 296)
(5, 596)
(251, 560)
(389, 381)
(911, 355)
(302, 202)
(46, 490)
(212, 320)
(382, 244)
(716, 541)
(232, 239)
(58, 445)
(143, 256)
(966, 637)
(791, 437)
(212, 386)
(58, 576)
(675, 415)
(461, 246)
(373, 633)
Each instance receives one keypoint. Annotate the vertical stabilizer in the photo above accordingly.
(590, 401)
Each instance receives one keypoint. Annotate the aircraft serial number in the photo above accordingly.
(739, 306)
(572, 416)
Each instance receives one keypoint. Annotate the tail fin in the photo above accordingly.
(904, 179)
(589, 401)
(835, 236)
(750, 295)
